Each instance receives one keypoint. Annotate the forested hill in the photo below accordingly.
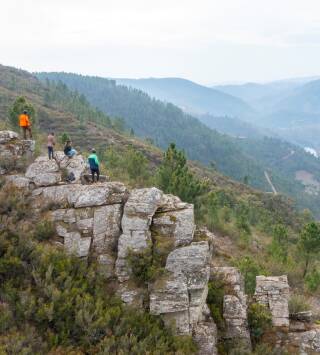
(165, 123)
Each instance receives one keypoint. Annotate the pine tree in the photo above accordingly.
(174, 177)
(19, 105)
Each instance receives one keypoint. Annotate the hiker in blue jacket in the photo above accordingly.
(94, 164)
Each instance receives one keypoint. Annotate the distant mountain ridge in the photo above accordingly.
(191, 97)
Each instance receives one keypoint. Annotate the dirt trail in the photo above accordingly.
(270, 183)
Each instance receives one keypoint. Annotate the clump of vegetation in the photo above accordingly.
(215, 301)
(51, 301)
(149, 264)
(260, 321)
(44, 230)
(298, 303)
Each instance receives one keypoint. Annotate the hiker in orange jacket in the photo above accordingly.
(25, 124)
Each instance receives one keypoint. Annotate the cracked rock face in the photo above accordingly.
(14, 152)
(137, 217)
(234, 305)
(274, 293)
(182, 293)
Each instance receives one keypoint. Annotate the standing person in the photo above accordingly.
(68, 150)
(25, 124)
(94, 164)
(51, 144)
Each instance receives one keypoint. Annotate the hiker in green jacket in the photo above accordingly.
(94, 164)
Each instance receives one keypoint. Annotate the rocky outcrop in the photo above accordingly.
(234, 306)
(45, 172)
(274, 293)
(180, 295)
(15, 153)
(107, 222)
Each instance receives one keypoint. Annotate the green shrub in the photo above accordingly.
(260, 321)
(298, 303)
(215, 301)
(312, 280)
(44, 230)
(66, 301)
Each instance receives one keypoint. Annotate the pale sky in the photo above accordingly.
(207, 41)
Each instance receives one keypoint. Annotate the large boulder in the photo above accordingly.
(46, 172)
(181, 293)
(76, 165)
(274, 293)
(77, 196)
(43, 172)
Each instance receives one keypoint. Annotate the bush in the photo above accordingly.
(66, 301)
(312, 280)
(260, 321)
(298, 303)
(44, 230)
(215, 301)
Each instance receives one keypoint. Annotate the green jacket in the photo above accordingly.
(93, 161)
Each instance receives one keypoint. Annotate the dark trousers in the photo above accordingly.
(50, 152)
(93, 172)
(25, 129)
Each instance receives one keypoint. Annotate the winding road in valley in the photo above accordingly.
(270, 183)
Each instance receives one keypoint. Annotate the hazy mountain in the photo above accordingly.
(191, 97)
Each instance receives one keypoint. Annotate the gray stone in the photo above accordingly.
(305, 316)
(106, 227)
(205, 335)
(44, 172)
(106, 263)
(234, 305)
(170, 295)
(177, 224)
(137, 216)
(79, 196)
(8, 136)
(18, 181)
(75, 244)
(181, 294)
(76, 165)
(274, 293)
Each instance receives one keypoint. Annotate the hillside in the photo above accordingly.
(101, 268)
(166, 123)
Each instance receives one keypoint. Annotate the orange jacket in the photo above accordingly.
(24, 120)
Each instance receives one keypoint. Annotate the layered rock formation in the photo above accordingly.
(14, 152)
(274, 293)
(234, 306)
